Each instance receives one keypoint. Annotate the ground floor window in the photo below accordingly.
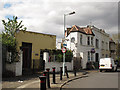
(91, 56)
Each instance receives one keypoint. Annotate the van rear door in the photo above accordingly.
(105, 63)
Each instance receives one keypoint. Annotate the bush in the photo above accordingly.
(59, 56)
(68, 56)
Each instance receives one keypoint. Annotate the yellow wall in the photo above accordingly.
(38, 40)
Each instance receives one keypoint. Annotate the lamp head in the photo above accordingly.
(72, 13)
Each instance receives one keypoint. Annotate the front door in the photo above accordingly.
(27, 49)
(97, 57)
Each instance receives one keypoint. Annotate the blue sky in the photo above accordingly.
(7, 5)
(9, 16)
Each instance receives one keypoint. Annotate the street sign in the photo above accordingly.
(92, 50)
(64, 45)
(63, 50)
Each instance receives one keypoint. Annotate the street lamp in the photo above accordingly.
(65, 22)
(64, 39)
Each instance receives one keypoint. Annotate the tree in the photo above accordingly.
(8, 35)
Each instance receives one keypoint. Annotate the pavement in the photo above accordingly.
(33, 82)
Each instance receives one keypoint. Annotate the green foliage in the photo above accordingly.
(8, 35)
(68, 56)
(59, 58)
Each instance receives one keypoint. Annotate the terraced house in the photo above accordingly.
(89, 43)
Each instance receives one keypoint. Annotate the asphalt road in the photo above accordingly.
(95, 80)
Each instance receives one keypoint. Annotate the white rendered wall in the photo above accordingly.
(15, 67)
(58, 65)
(46, 56)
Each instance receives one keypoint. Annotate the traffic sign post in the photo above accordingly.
(63, 50)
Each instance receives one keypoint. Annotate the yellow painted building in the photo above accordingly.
(32, 43)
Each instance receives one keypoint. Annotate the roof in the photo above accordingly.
(38, 33)
(84, 30)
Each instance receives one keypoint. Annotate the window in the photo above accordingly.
(106, 55)
(102, 44)
(81, 39)
(97, 43)
(88, 56)
(88, 41)
(91, 40)
(103, 55)
(106, 46)
(91, 56)
(72, 39)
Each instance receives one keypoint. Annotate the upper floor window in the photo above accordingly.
(91, 56)
(72, 39)
(102, 44)
(97, 43)
(88, 41)
(91, 40)
(81, 39)
(106, 46)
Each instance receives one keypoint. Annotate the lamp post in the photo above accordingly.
(64, 40)
(65, 20)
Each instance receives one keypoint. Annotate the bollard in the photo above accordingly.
(53, 75)
(42, 82)
(74, 70)
(66, 72)
(48, 77)
(45, 73)
(60, 73)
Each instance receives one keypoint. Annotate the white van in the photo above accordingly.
(107, 64)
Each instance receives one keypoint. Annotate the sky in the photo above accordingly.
(47, 16)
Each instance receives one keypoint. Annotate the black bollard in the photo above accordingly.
(60, 73)
(45, 73)
(74, 70)
(53, 75)
(48, 77)
(66, 72)
(42, 82)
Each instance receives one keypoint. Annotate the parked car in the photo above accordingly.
(107, 64)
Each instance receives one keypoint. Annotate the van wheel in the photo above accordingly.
(100, 70)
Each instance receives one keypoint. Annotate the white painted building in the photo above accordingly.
(83, 41)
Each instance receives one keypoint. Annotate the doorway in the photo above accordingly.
(97, 57)
(27, 51)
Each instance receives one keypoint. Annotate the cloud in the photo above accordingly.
(46, 16)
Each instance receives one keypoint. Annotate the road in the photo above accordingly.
(95, 80)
